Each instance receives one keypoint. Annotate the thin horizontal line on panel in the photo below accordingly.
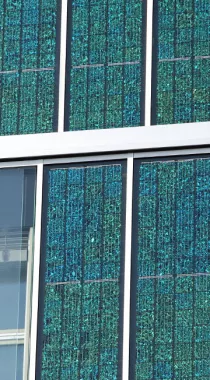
(184, 58)
(85, 66)
(173, 276)
(40, 69)
(79, 282)
(108, 64)
(174, 59)
(27, 70)
(124, 63)
(8, 72)
(154, 277)
(202, 56)
(192, 274)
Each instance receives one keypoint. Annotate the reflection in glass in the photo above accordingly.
(17, 192)
(11, 362)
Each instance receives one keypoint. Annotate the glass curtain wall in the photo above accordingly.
(17, 193)
(80, 334)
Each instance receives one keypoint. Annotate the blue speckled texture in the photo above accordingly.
(27, 65)
(105, 64)
(182, 61)
(82, 277)
(173, 270)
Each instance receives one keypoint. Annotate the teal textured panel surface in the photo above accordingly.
(181, 70)
(105, 64)
(170, 320)
(27, 66)
(83, 273)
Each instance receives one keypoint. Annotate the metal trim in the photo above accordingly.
(35, 285)
(127, 270)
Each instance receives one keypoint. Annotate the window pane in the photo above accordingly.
(16, 221)
(170, 309)
(83, 249)
(105, 64)
(11, 362)
(181, 82)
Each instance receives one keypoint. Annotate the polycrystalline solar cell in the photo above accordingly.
(105, 64)
(170, 299)
(83, 272)
(181, 85)
(28, 66)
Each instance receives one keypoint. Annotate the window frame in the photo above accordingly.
(22, 336)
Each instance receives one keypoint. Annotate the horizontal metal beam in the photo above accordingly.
(104, 141)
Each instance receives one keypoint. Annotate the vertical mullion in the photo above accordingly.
(148, 65)
(62, 66)
(35, 285)
(127, 266)
(28, 305)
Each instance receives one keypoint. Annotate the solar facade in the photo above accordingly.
(28, 66)
(83, 249)
(171, 274)
(105, 64)
(181, 64)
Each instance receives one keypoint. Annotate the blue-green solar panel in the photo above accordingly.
(105, 64)
(181, 84)
(27, 66)
(83, 250)
(170, 309)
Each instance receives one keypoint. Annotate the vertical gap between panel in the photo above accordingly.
(63, 38)
(36, 264)
(127, 273)
(148, 65)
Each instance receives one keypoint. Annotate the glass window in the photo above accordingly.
(11, 362)
(105, 64)
(17, 196)
(82, 257)
(170, 308)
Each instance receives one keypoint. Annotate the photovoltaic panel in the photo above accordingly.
(170, 309)
(83, 270)
(105, 64)
(27, 65)
(181, 65)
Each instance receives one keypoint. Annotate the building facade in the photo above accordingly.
(105, 190)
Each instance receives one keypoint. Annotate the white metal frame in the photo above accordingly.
(104, 141)
(36, 261)
(21, 336)
(63, 38)
(148, 65)
(127, 271)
